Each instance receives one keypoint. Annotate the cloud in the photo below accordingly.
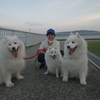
(33, 24)
(61, 5)
(98, 5)
(90, 17)
(74, 3)
(85, 19)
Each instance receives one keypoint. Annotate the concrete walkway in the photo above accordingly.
(37, 86)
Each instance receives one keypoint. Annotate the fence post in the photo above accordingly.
(25, 38)
(13, 32)
(0, 33)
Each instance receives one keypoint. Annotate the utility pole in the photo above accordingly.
(29, 29)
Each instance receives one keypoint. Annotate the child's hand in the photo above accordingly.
(41, 52)
(46, 49)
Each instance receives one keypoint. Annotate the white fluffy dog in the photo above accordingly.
(75, 58)
(12, 51)
(53, 60)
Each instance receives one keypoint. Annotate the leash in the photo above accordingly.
(37, 53)
(34, 65)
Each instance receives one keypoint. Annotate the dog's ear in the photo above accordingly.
(77, 34)
(71, 33)
(4, 39)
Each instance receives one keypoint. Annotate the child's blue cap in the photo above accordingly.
(51, 31)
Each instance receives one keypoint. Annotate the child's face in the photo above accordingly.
(50, 37)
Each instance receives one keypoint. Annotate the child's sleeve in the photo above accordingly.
(42, 46)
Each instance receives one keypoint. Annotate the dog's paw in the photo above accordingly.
(65, 79)
(20, 77)
(83, 83)
(57, 76)
(46, 73)
(9, 84)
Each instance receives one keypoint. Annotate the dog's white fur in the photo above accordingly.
(75, 63)
(53, 60)
(11, 61)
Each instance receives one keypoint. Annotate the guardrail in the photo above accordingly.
(94, 60)
(28, 38)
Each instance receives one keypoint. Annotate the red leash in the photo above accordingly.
(36, 54)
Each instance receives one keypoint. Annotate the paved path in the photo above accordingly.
(37, 86)
(94, 59)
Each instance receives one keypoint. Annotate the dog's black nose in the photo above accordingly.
(13, 48)
(68, 47)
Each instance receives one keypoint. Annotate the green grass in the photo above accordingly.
(94, 47)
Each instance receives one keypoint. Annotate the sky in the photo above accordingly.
(40, 15)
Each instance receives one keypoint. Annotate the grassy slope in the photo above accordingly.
(94, 47)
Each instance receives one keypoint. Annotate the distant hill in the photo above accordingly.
(80, 31)
(84, 31)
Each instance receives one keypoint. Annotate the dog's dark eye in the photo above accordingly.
(9, 44)
(73, 42)
(51, 52)
(15, 43)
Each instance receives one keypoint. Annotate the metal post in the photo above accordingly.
(33, 38)
(25, 38)
(0, 33)
(13, 32)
